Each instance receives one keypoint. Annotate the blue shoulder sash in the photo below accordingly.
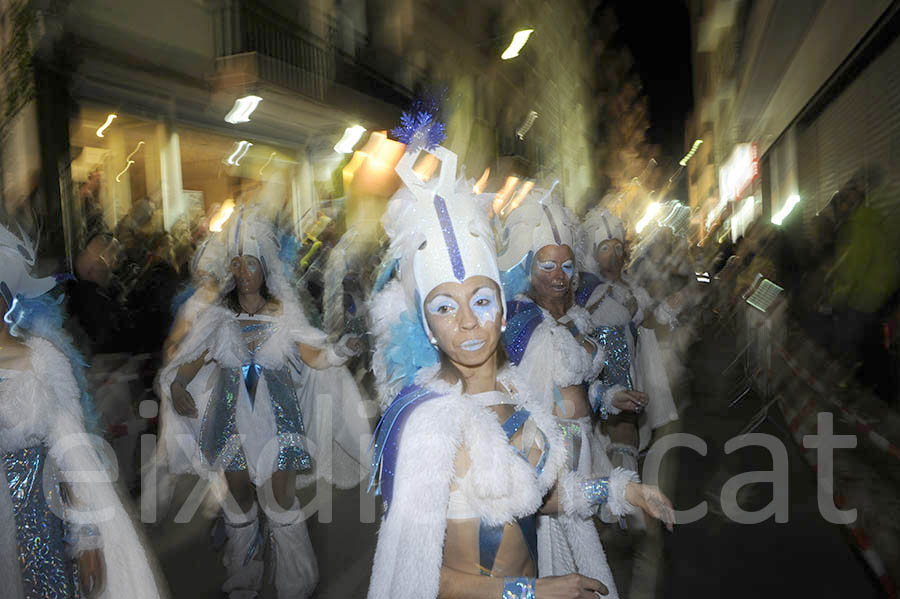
(522, 318)
(587, 283)
(386, 441)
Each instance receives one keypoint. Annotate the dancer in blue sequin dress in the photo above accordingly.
(59, 537)
(250, 392)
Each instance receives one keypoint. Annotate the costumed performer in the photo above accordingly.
(60, 536)
(632, 395)
(547, 340)
(465, 455)
(254, 392)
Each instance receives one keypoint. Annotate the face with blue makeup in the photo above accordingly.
(551, 273)
(610, 257)
(465, 319)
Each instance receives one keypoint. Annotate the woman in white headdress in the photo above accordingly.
(59, 536)
(255, 392)
(466, 455)
(547, 338)
(633, 393)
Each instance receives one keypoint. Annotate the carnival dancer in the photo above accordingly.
(547, 339)
(254, 392)
(60, 536)
(465, 455)
(632, 395)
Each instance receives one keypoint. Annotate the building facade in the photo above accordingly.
(111, 105)
(794, 101)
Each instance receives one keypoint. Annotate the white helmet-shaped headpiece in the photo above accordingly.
(537, 222)
(439, 229)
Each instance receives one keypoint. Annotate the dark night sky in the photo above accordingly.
(659, 37)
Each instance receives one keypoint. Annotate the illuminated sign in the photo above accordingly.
(738, 172)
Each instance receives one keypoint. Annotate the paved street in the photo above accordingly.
(713, 557)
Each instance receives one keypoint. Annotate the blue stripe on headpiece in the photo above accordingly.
(553, 228)
(440, 206)
(238, 246)
(609, 234)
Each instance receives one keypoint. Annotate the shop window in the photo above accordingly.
(138, 179)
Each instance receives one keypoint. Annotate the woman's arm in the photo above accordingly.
(86, 543)
(596, 491)
(332, 355)
(182, 400)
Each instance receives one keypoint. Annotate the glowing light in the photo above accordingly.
(482, 182)
(242, 109)
(523, 130)
(691, 152)
(109, 120)
(129, 161)
(738, 172)
(269, 161)
(652, 209)
(351, 137)
(517, 199)
(520, 38)
(124, 170)
(136, 148)
(239, 152)
(502, 196)
(221, 217)
(782, 214)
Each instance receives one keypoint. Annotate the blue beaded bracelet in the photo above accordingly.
(518, 588)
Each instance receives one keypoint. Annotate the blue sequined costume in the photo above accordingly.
(47, 570)
(218, 430)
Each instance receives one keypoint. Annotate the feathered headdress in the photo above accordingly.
(439, 232)
(599, 225)
(540, 220)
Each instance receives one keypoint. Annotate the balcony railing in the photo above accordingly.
(285, 54)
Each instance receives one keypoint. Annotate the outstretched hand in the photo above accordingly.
(630, 401)
(650, 499)
(570, 586)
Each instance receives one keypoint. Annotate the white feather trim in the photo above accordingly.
(500, 485)
(572, 498)
(618, 481)
(51, 389)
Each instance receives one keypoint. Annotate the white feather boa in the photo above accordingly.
(42, 406)
(499, 484)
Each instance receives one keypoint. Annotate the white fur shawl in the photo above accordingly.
(42, 405)
(500, 484)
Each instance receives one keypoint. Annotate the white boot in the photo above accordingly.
(296, 571)
(242, 547)
(623, 455)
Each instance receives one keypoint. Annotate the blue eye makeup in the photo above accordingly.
(568, 267)
(547, 266)
(485, 305)
(442, 305)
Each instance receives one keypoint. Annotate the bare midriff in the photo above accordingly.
(462, 550)
(574, 403)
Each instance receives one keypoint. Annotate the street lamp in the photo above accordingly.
(520, 38)
(242, 109)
